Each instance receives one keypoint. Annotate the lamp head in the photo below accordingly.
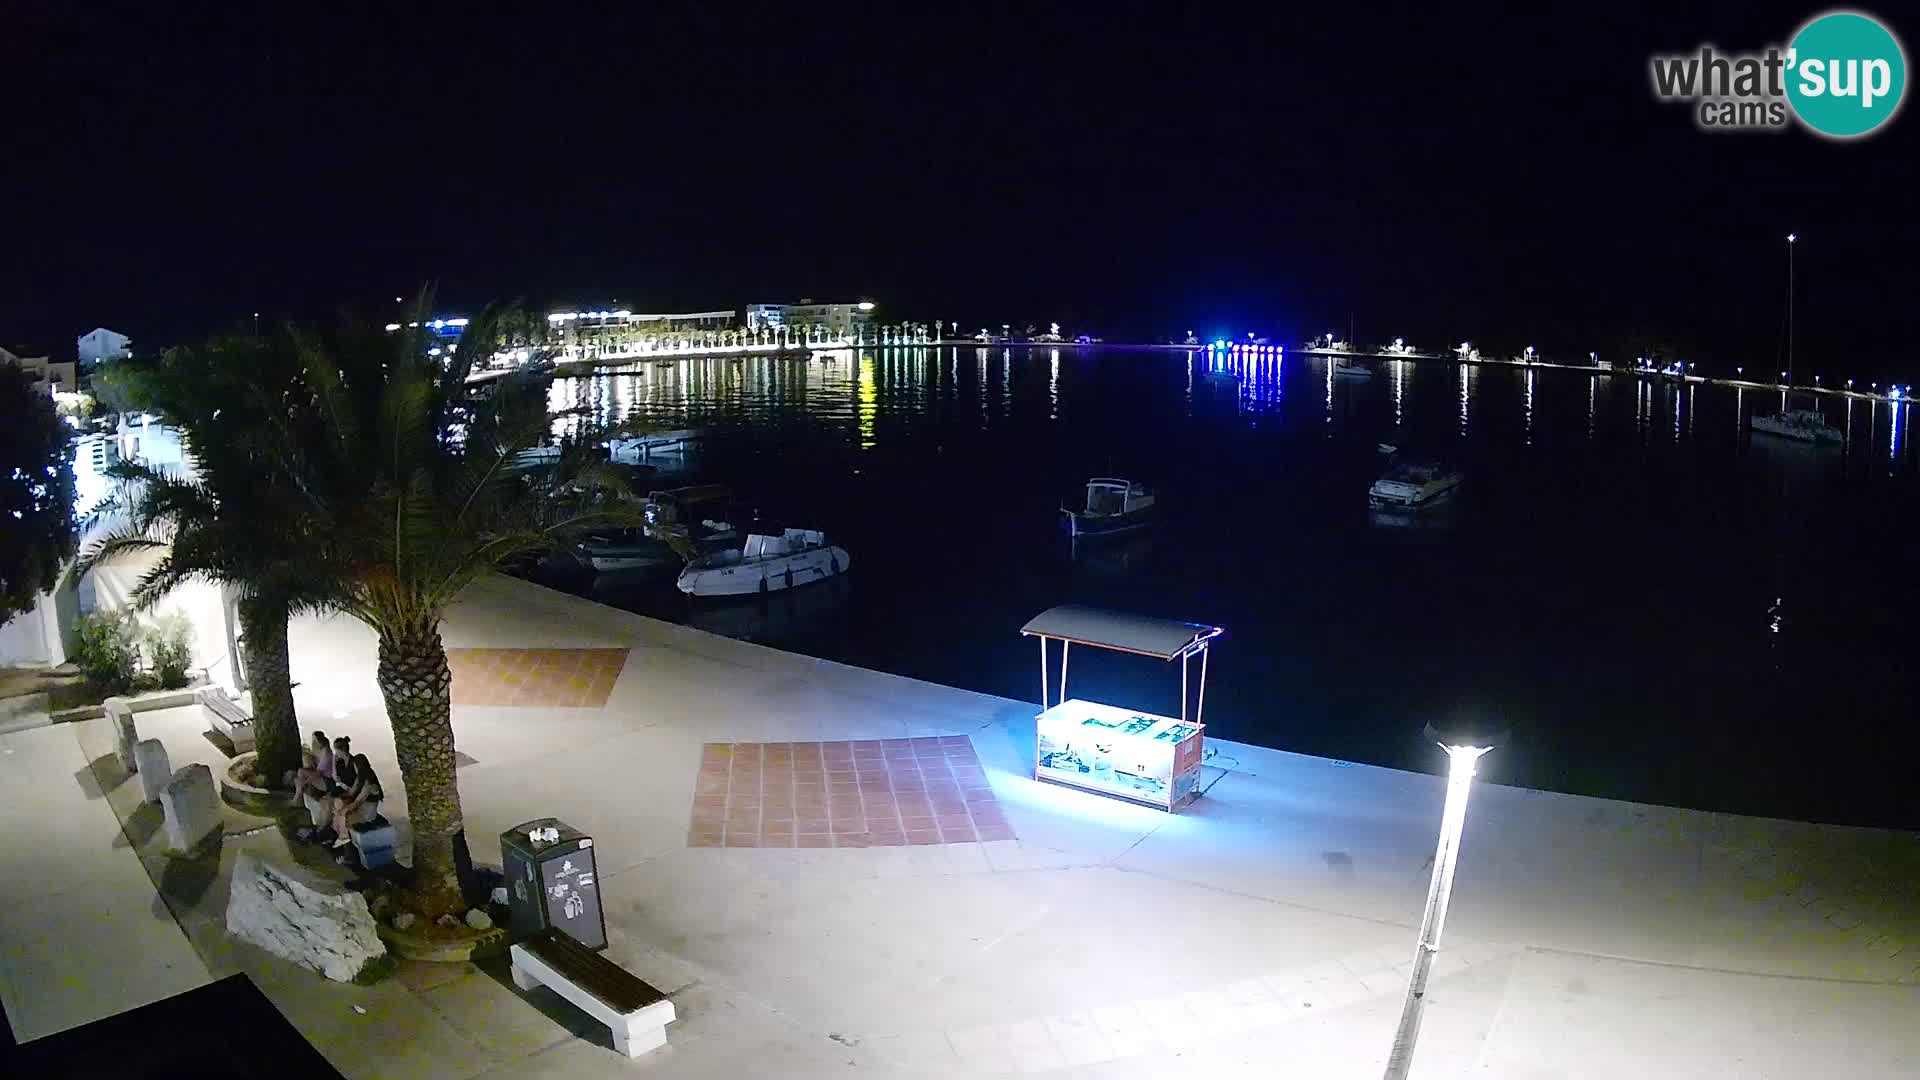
(1476, 727)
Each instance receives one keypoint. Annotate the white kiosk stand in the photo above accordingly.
(1141, 757)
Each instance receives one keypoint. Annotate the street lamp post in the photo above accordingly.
(1790, 239)
(1464, 746)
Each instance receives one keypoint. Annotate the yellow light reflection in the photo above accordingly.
(869, 397)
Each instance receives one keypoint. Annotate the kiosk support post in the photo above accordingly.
(1043, 671)
(1200, 709)
(1065, 647)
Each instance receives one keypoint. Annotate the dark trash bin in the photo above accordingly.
(553, 883)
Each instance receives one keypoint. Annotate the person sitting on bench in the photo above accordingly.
(316, 767)
(361, 803)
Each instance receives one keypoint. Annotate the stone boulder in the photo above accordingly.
(150, 759)
(119, 712)
(190, 807)
(318, 924)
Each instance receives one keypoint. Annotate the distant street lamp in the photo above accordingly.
(1464, 743)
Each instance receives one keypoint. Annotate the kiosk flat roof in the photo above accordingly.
(1125, 632)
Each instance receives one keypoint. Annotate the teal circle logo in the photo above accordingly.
(1846, 74)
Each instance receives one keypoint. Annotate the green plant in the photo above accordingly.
(421, 495)
(170, 649)
(107, 654)
(36, 493)
(376, 969)
(243, 522)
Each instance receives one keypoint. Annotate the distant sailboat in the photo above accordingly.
(1806, 423)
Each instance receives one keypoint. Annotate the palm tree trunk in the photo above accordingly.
(276, 730)
(417, 687)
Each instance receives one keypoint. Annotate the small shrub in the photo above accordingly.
(170, 649)
(376, 969)
(107, 654)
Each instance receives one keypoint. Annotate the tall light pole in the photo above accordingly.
(1464, 747)
(1790, 240)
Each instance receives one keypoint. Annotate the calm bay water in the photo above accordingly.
(1665, 608)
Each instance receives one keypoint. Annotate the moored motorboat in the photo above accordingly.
(1414, 484)
(618, 550)
(765, 564)
(1800, 425)
(627, 550)
(682, 524)
(1113, 505)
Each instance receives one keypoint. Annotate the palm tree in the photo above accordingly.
(242, 524)
(420, 484)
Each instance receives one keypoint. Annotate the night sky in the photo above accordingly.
(1131, 170)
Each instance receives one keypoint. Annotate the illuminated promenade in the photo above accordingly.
(1266, 932)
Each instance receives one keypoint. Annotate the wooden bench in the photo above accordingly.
(228, 717)
(637, 1013)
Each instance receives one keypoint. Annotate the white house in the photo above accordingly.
(43, 373)
(101, 343)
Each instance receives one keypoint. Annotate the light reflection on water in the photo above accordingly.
(869, 406)
(1682, 544)
(1530, 373)
(875, 390)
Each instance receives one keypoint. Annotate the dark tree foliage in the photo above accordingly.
(37, 533)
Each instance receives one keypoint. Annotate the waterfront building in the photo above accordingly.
(592, 335)
(100, 344)
(45, 374)
(847, 321)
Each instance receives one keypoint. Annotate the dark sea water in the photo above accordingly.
(1663, 606)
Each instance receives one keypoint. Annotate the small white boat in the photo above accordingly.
(1352, 369)
(677, 521)
(1112, 506)
(625, 549)
(1413, 485)
(766, 564)
(1800, 425)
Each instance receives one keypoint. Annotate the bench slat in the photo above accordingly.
(608, 982)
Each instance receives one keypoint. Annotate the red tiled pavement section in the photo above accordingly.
(870, 793)
(578, 678)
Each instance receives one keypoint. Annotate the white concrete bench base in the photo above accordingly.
(633, 1033)
(227, 717)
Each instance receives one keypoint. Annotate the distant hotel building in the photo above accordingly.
(48, 376)
(103, 344)
(839, 320)
(622, 333)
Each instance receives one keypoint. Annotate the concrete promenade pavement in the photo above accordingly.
(82, 934)
(1265, 932)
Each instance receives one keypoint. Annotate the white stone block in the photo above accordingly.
(316, 923)
(150, 761)
(120, 714)
(191, 805)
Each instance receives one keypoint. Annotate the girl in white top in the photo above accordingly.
(316, 767)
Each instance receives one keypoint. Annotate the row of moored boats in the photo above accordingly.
(698, 529)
